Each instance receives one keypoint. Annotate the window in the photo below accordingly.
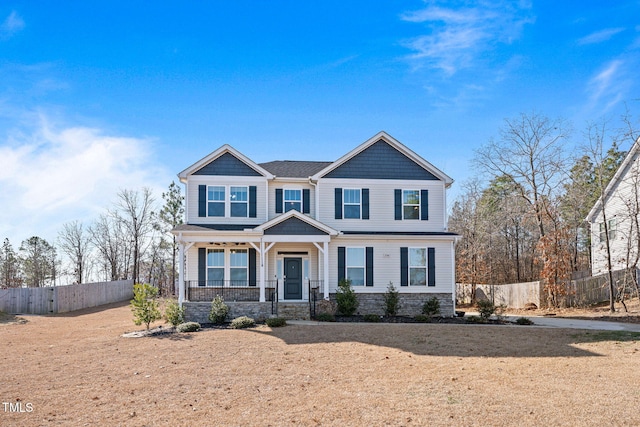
(612, 230)
(351, 202)
(215, 201)
(355, 265)
(239, 263)
(292, 200)
(215, 267)
(239, 197)
(411, 204)
(417, 266)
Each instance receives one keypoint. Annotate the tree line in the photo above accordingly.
(130, 240)
(522, 218)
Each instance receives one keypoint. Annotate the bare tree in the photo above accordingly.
(74, 241)
(108, 237)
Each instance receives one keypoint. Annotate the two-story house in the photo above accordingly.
(283, 232)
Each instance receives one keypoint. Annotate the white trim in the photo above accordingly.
(226, 148)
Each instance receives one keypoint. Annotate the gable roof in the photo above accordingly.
(390, 156)
(294, 168)
(304, 223)
(626, 164)
(228, 158)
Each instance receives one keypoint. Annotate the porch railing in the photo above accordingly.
(229, 290)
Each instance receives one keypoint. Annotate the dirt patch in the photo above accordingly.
(76, 370)
(8, 319)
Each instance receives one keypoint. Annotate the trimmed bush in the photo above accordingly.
(373, 318)
(325, 317)
(346, 298)
(391, 301)
(422, 318)
(486, 308)
(188, 327)
(524, 321)
(431, 307)
(276, 322)
(242, 322)
(474, 319)
(219, 311)
(173, 313)
(144, 304)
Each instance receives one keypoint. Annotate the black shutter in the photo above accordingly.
(278, 200)
(202, 266)
(338, 203)
(306, 201)
(252, 267)
(404, 266)
(253, 201)
(398, 203)
(431, 266)
(424, 205)
(369, 266)
(341, 264)
(365, 203)
(202, 200)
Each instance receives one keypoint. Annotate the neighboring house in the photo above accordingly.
(285, 232)
(622, 209)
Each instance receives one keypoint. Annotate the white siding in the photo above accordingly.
(298, 185)
(381, 205)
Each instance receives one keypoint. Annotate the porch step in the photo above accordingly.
(294, 310)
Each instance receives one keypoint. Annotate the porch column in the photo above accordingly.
(181, 290)
(262, 284)
(325, 250)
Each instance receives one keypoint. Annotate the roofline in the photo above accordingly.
(593, 213)
(293, 213)
(226, 148)
(396, 144)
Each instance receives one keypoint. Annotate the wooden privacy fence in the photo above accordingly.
(62, 299)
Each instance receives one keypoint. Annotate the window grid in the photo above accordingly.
(417, 266)
(355, 266)
(351, 203)
(411, 204)
(292, 200)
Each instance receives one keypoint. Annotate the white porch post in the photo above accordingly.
(326, 269)
(181, 290)
(262, 273)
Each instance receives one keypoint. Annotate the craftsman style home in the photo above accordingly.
(620, 206)
(286, 232)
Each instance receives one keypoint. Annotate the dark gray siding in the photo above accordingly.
(227, 165)
(294, 226)
(381, 161)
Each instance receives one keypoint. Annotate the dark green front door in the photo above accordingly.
(293, 278)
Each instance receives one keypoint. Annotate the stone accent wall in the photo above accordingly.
(199, 311)
(410, 304)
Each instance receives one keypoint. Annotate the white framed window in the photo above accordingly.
(612, 230)
(355, 266)
(215, 267)
(239, 201)
(352, 202)
(215, 200)
(417, 266)
(292, 199)
(411, 204)
(238, 267)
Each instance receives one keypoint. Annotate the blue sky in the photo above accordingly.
(98, 96)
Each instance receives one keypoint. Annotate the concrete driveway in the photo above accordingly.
(570, 323)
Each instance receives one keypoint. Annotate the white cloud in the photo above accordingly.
(11, 25)
(600, 36)
(608, 87)
(52, 176)
(458, 36)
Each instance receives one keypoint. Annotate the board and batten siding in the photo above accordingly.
(381, 205)
(386, 264)
(192, 198)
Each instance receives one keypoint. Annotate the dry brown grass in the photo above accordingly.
(77, 370)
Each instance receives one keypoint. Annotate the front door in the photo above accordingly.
(293, 278)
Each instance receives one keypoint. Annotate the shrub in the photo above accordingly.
(173, 313)
(486, 308)
(346, 298)
(188, 327)
(325, 317)
(276, 322)
(242, 322)
(422, 318)
(219, 311)
(431, 307)
(524, 321)
(391, 301)
(474, 319)
(144, 304)
(373, 318)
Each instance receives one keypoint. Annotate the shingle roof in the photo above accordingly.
(294, 168)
